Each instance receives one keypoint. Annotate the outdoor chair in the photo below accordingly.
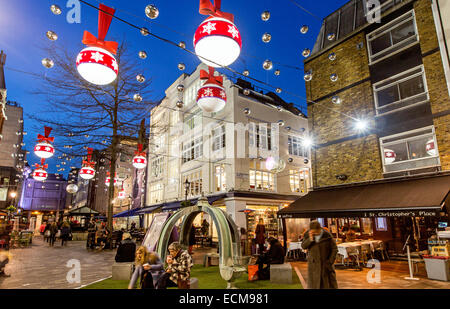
(381, 248)
(366, 252)
(353, 254)
(25, 239)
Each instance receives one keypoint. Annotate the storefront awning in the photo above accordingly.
(127, 213)
(82, 211)
(421, 197)
(147, 210)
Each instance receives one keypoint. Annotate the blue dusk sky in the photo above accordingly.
(23, 24)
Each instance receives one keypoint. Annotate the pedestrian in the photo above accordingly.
(322, 251)
(191, 239)
(126, 250)
(260, 234)
(148, 268)
(92, 228)
(275, 255)
(42, 228)
(53, 232)
(205, 227)
(178, 271)
(65, 233)
(47, 232)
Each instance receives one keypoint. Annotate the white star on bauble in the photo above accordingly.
(234, 32)
(222, 94)
(114, 64)
(47, 148)
(79, 57)
(97, 56)
(209, 27)
(208, 93)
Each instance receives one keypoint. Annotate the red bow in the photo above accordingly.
(46, 138)
(210, 77)
(139, 152)
(89, 163)
(42, 165)
(104, 21)
(207, 8)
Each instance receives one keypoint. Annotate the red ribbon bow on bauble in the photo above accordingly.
(42, 165)
(210, 77)
(89, 163)
(105, 15)
(46, 137)
(139, 152)
(207, 8)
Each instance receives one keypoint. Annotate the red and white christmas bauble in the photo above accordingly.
(389, 156)
(121, 194)
(108, 181)
(431, 148)
(217, 42)
(139, 162)
(87, 172)
(211, 98)
(40, 174)
(44, 150)
(97, 65)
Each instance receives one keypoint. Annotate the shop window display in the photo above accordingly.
(271, 223)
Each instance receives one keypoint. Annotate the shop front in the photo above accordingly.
(388, 211)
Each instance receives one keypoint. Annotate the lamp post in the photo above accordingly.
(187, 184)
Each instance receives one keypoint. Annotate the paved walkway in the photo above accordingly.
(44, 267)
(391, 276)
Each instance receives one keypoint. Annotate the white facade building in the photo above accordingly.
(222, 155)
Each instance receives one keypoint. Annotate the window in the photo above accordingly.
(192, 120)
(192, 149)
(159, 143)
(195, 183)
(260, 135)
(381, 224)
(174, 118)
(218, 138)
(173, 147)
(299, 180)
(402, 90)
(156, 193)
(190, 94)
(220, 178)
(157, 167)
(410, 150)
(260, 178)
(393, 37)
(296, 148)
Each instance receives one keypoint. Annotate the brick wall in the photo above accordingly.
(437, 88)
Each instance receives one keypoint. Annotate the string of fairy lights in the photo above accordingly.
(217, 43)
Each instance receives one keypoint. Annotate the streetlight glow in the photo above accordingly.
(361, 124)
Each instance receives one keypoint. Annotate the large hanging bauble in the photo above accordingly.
(275, 165)
(72, 188)
(211, 98)
(389, 156)
(217, 42)
(139, 162)
(40, 174)
(87, 172)
(44, 150)
(97, 65)
(431, 148)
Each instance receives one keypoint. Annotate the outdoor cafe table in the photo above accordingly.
(346, 247)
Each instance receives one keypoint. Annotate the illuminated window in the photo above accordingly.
(296, 148)
(381, 224)
(299, 180)
(157, 167)
(260, 178)
(220, 178)
(156, 193)
(192, 149)
(195, 183)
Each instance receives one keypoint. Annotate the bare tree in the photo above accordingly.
(85, 115)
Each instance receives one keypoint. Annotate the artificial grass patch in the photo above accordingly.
(209, 278)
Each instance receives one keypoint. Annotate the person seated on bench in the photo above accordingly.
(148, 268)
(4, 259)
(178, 272)
(126, 250)
(275, 255)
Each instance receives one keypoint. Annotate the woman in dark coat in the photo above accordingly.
(322, 251)
(65, 233)
(260, 234)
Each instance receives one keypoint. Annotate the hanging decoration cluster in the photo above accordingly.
(211, 97)
(87, 172)
(44, 149)
(140, 158)
(96, 63)
(217, 41)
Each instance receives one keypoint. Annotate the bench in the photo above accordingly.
(281, 273)
(122, 271)
(193, 284)
(211, 259)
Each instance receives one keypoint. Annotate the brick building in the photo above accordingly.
(390, 75)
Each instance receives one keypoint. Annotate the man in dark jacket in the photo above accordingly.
(127, 249)
(322, 251)
(275, 255)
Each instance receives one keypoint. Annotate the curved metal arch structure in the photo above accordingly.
(231, 263)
